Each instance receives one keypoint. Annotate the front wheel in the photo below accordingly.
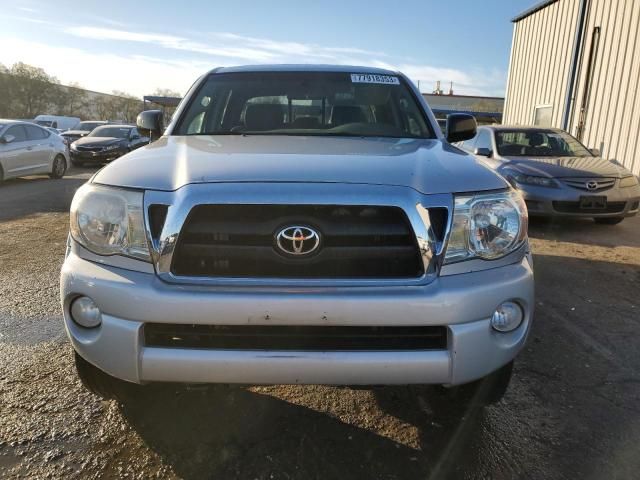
(59, 167)
(483, 392)
(101, 383)
(608, 220)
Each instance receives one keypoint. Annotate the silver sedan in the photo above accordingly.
(556, 174)
(28, 149)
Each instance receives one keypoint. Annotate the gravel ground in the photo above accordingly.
(572, 409)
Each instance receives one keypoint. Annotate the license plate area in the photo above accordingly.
(595, 202)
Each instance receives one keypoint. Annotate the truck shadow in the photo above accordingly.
(236, 433)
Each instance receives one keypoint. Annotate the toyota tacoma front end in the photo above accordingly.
(298, 225)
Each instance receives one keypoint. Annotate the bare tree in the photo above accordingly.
(5, 96)
(128, 106)
(32, 90)
(165, 92)
(72, 100)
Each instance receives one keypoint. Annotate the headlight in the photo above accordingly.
(109, 221)
(514, 177)
(73, 147)
(629, 182)
(487, 226)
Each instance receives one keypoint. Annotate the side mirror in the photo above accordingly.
(7, 139)
(460, 127)
(595, 152)
(483, 152)
(149, 123)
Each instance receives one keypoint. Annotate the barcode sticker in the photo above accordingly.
(374, 78)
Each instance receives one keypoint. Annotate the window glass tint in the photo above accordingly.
(17, 131)
(539, 143)
(87, 126)
(115, 132)
(303, 103)
(35, 133)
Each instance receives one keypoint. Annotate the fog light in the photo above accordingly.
(85, 312)
(507, 317)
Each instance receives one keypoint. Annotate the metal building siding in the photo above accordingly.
(613, 108)
(539, 68)
(540, 58)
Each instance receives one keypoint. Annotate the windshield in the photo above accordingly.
(304, 103)
(115, 132)
(538, 143)
(44, 123)
(87, 126)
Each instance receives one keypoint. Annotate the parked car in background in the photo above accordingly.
(299, 224)
(56, 121)
(82, 129)
(106, 143)
(28, 149)
(556, 174)
(55, 131)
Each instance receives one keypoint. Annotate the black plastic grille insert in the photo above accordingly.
(239, 241)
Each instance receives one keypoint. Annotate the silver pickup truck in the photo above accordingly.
(298, 225)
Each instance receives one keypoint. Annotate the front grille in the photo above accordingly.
(239, 241)
(574, 207)
(291, 337)
(581, 183)
(83, 148)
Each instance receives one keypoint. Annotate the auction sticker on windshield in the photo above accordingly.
(372, 78)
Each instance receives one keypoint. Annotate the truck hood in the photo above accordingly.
(560, 167)
(428, 166)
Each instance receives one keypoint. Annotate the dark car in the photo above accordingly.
(106, 143)
(556, 174)
(82, 129)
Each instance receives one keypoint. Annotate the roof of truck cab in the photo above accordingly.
(304, 68)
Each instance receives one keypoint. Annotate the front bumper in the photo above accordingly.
(96, 157)
(564, 201)
(463, 303)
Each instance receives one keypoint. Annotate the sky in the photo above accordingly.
(137, 47)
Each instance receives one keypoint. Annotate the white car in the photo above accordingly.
(28, 149)
(57, 121)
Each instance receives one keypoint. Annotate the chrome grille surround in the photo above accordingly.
(585, 183)
(182, 201)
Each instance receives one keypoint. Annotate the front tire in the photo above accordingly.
(483, 392)
(100, 383)
(59, 167)
(608, 220)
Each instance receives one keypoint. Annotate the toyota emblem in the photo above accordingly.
(592, 185)
(297, 240)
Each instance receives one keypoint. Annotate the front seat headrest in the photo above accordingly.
(535, 139)
(342, 114)
(264, 116)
